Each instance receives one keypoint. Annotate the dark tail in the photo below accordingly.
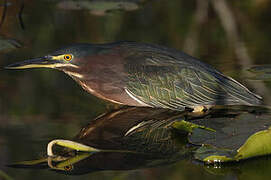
(239, 93)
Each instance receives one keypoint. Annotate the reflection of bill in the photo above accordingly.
(97, 7)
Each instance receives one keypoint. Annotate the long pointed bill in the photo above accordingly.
(35, 63)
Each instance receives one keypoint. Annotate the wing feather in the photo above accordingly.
(170, 83)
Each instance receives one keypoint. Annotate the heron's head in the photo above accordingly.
(70, 59)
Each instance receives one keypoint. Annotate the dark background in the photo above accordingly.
(39, 105)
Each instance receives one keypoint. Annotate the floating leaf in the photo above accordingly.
(258, 144)
(257, 168)
(236, 137)
(188, 126)
(211, 154)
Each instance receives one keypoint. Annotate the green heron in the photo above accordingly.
(139, 74)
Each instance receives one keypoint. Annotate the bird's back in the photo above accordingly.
(164, 77)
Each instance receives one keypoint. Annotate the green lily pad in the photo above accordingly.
(188, 126)
(236, 137)
(257, 168)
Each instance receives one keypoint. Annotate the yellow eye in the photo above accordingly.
(68, 57)
(68, 168)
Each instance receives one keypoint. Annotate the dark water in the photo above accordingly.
(39, 105)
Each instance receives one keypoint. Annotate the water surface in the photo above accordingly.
(39, 105)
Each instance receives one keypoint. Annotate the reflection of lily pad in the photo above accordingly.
(260, 69)
(99, 7)
(238, 137)
(8, 45)
(262, 72)
(264, 76)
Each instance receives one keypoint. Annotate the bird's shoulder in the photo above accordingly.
(156, 56)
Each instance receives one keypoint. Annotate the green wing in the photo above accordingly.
(167, 83)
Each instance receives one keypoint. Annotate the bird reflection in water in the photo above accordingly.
(139, 137)
(132, 138)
